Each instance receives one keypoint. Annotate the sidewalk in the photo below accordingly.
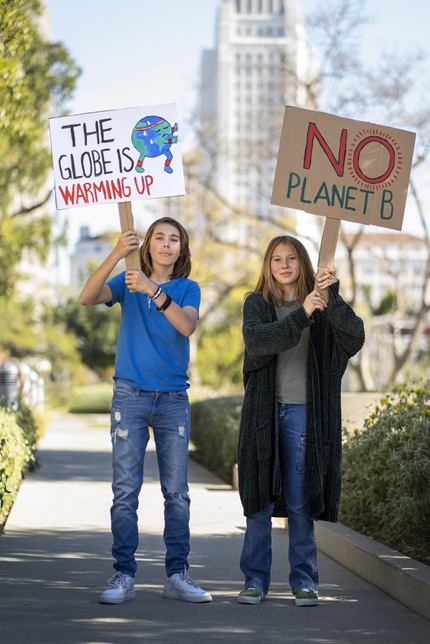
(55, 560)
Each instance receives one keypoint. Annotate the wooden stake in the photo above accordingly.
(132, 261)
(327, 250)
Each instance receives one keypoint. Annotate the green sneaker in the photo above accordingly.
(306, 597)
(250, 596)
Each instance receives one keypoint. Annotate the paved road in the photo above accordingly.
(55, 560)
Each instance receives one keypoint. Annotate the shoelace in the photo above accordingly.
(187, 579)
(115, 581)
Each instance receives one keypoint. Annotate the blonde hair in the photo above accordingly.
(182, 267)
(269, 287)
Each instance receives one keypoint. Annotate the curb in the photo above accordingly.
(402, 578)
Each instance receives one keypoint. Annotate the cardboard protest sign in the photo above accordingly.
(342, 168)
(116, 156)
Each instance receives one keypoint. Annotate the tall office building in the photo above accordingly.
(259, 65)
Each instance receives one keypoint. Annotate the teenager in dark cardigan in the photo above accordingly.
(297, 348)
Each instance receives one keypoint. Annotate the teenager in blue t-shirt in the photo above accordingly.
(159, 312)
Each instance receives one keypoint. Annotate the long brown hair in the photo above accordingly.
(269, 287)
(182, 267)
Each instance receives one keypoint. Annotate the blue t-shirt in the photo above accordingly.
(151, 354)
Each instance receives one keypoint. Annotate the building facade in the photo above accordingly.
(390, 273)
(387, 262)
(90, 251)
(258, 65)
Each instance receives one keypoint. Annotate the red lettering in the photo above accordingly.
(126, 190)
(92, 192)
(149, 180)
(339, 163)
(116, 189)
(391, 162)
(144, 184)
(67, 194)
(102, 188)
(81, 192)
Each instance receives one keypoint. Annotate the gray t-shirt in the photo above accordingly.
(292, 364)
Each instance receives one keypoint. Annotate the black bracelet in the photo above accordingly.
(166, 304)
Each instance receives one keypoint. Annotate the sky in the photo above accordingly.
(141, 52)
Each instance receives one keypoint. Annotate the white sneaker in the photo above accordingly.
(120, 588)
(181, 586)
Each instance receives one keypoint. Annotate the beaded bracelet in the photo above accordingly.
(167, 302)
(156, 294)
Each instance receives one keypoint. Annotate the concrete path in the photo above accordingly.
(55, 560)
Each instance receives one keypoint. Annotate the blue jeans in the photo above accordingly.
(133, 411)
(256, 557)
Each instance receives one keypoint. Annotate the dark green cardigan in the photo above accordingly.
(336, 335)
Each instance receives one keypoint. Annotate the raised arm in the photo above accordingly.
(96, 291)
(184, 319)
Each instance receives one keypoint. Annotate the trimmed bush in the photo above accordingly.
(386, 479)
(32, 429)
(214, 433)
(15, 458)
(94, 399)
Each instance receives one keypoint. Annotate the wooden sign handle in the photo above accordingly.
(132, 261)
(327, 250)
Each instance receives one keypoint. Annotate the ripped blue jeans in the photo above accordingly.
(168, 413)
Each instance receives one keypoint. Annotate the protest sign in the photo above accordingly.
(342, 169)
(116, 156)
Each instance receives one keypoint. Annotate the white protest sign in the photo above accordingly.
(116, 156)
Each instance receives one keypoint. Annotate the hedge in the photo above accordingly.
(94, 399)
(15, 459)
(214, 433)
(386, 463)
(386, 467)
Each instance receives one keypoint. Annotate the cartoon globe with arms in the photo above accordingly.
(152, 137)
